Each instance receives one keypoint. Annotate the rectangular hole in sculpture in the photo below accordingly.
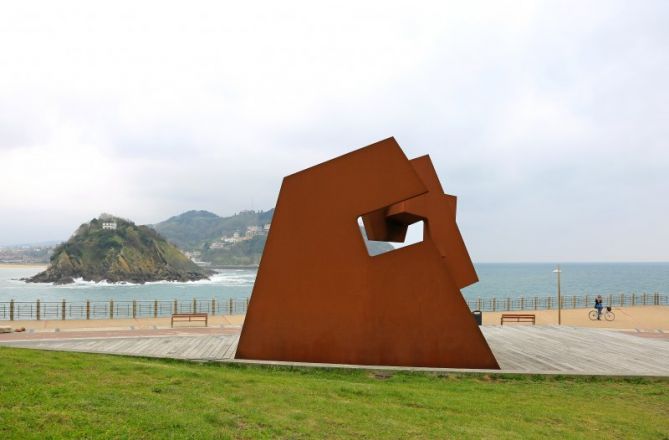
(414, 235)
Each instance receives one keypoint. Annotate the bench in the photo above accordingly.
(517, 317)
(180, 317)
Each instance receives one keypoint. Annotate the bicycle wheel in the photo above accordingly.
(610, 316)
(592, 315)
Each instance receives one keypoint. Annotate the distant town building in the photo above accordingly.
(252, 231)
(237, 237)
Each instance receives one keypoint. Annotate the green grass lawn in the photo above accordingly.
(66, 395)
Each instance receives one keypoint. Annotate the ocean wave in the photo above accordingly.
(223, 279)
(81, 283)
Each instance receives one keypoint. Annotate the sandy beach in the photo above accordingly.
(120, 324)
(22, 266)
(637, 317)
(641, 318)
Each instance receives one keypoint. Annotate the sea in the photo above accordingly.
(500, 280)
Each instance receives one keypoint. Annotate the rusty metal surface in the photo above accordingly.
(320, 297)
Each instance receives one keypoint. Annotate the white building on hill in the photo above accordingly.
(109, 225)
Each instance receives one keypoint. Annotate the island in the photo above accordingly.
(116, 250)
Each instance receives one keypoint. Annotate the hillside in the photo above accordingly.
(194, 229)
(210, 238)
(244, 253)
(117, 250)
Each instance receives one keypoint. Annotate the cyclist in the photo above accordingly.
(599, 305)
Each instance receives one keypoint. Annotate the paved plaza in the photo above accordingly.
(518, 348)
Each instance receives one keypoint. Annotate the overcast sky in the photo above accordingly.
(548, 120)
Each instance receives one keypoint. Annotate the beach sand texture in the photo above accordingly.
(22, 266)
(629, 318)
(120, 324)
(636, 317)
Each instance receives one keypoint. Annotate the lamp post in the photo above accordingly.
(559, 299)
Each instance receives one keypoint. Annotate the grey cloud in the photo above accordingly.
(548, 119)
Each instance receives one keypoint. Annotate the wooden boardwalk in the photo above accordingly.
(577, 351)
(522, 349)
(200, 347)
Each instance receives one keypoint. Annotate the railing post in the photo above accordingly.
(37, 310)
(494, 303)
(230, 306)
(213, 306)
(11, 309)
(622, 299)
(134, 308)
(247, 305)
(508, 303)
(175, 306)
(88, 309)
(633, 298)
(657, 299)
(478, 303)
(610, 299)
(535, 303)
(111, 309)
(62, 311)
(548, 302)
(573, 301)
(194, 305)
(155, 308)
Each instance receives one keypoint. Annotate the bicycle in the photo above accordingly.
(608, 314)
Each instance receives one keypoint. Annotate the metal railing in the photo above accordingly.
(494, 304)
(121, 309)
(113, 309)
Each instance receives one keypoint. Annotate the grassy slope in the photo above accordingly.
(55, 395)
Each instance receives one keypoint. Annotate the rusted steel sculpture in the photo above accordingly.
(320, 297)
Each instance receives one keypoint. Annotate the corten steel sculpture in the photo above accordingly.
(320, 297)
